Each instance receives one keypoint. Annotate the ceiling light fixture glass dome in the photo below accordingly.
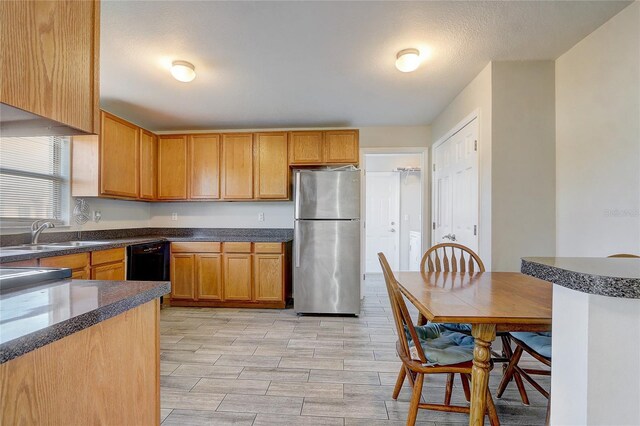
(408, 60)
(183, 71)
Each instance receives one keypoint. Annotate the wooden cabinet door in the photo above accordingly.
(50, 62)
(237, 166)
(172, 167)
(341, 146)
(272, 167)
(148, 164)
(204, 161)
(119, 157)
(237, 276)
(109, 272)
(183, 276)
(80, 274)
(305, 147)
(209, 277)
(268, 277)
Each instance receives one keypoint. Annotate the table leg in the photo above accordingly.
(483, 334)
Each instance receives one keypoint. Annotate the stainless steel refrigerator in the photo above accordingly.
(326, 245)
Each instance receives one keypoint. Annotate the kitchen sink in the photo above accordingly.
(13, 252)
(77, 244)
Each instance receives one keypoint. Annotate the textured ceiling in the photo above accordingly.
(305, 64)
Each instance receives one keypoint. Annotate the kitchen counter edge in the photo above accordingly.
(585, 282)
(49, 334)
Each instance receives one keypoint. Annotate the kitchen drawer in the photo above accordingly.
(73, 261)
(107, 256)
(195, 247)
(267, 247)
(20, 263)
(237, 247)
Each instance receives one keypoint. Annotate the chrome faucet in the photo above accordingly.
(37, 228)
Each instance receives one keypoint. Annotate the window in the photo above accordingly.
(32, 178)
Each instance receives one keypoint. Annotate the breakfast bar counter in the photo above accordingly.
(78, 352)
(596, 319)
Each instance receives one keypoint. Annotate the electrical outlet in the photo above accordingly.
(406, 217)
(261, 217)
(97, 215)
(174, 216)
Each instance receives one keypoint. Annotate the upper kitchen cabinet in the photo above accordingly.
(172, 167)
(341, 146)
(237, 166)
(50, 64)
(204, 165)
(305, 148)
(313, 148)
(119, 157)
(271, 166)
(148, 165)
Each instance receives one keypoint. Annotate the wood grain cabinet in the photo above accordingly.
(232, 274)
(108, 265)
(237, 166)
(172, 167)
(79, 264)
(148, 165)
(306, 148)
(341, 146)
(119, 157)
(204, 165)
(271, 176)
(196, 272)
(50, 63)
(324, 147)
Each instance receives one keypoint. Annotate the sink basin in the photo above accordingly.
(13, 252)
(76, 244)
(32, 247)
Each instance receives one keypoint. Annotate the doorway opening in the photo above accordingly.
(393, 210)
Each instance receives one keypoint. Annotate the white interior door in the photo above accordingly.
(455, 188)
(383, 218)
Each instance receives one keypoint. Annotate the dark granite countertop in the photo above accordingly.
(614, 277)
(35, 316)
(125, 237)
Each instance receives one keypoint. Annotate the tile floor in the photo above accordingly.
(271, 367)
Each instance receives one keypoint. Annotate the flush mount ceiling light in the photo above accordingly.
(183, 71)
(408, 60)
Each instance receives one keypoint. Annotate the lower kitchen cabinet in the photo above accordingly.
(208, 276)
(106, 265)
(237, 276)
(231, 274)
(182, 276)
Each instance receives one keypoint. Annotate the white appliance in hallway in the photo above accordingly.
(455, 188)
(326, 244)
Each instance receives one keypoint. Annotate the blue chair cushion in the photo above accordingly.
(539, 342)
(442, 346)
(460, 328)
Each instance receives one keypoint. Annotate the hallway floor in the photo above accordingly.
(272, 367)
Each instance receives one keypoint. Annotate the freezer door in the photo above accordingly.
(326, 267)
(327, 194)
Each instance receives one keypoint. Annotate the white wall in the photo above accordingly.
(523, 162)
(598, 140)
(475, 97)
(115, 214)
(222, 215)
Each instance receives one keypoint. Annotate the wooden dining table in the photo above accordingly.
(491, 302)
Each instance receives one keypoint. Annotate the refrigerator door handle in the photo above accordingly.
(296, 244)
(297, 194)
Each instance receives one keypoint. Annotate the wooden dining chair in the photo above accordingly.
(415, 358)
(538, 345)
(453, 257)
(634, 256)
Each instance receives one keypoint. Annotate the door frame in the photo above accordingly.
(396, 177)
(424, 176)
(475, 115)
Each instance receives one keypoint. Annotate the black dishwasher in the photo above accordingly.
(148, 262)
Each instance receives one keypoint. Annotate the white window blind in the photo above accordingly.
(31, 178)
